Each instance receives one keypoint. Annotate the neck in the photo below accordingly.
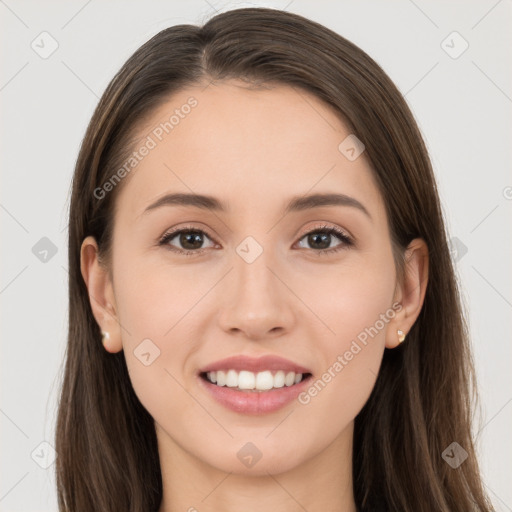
(322, 482)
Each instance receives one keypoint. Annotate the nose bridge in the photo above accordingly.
(257, 301)
(254, 280)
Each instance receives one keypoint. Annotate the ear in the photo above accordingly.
(410, 293)
(101, 294)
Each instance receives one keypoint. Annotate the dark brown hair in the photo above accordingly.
(424, 395)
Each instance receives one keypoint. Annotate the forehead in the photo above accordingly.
(249, 145)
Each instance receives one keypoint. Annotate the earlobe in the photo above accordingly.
(101, 296)
(410, 292)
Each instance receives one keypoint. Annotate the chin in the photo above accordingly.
(258, 457)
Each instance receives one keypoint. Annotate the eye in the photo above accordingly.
(191, 240)
(321, 238)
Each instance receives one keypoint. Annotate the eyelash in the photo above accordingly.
(329, 230)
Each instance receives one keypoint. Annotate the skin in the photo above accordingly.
(253, 149)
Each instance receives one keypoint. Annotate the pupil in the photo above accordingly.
(196, 237)
(324, 236)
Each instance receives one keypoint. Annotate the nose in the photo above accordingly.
(257, 302)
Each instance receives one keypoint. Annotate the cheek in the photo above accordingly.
(355, 306)
(333, 399)
(154, 298)
(154, 306)
(348, 299)
(339, 391)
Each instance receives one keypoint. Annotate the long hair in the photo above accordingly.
(422, 402)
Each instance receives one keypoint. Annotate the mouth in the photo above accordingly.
(250, 393)
(254, 385)
(254, 382)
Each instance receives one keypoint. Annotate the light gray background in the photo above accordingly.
(463, 106)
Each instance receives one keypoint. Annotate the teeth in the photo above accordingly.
(264, 381)
(261, 381)
(246, 380)
(279, 379)
(232, 379)
(221, 378)
(289, 379)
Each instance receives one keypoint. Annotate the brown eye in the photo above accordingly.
(189, 241)
(321, 238)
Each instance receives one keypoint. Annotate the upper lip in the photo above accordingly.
(255, 364)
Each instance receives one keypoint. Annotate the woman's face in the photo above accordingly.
(260, 279)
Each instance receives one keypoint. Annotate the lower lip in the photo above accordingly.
(255, 402)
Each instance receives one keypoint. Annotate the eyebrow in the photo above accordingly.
(296, 204)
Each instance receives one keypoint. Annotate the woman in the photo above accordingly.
(218, 358)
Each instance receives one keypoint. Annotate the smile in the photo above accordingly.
(254, 385)
(250, 381)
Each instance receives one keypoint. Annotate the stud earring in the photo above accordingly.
(105, 336)
(401, 336)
